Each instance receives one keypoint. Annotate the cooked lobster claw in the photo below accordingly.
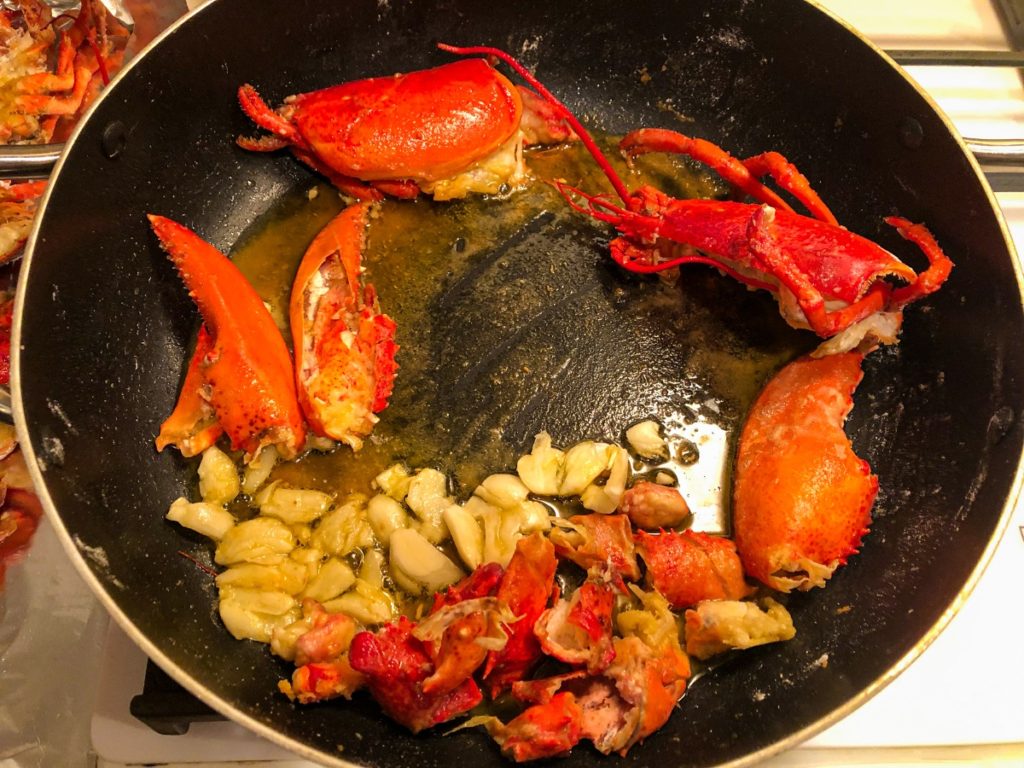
(344, 347)
(192, 426)
(801, 498)
(246, 374)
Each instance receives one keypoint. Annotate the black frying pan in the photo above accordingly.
(103, 328)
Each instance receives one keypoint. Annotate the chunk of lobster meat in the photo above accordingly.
(716, 626)
(344, 346)
(247, 374)
(329, 634)
(801, 497)
(396, 664)
(458, 637)
(687, 567)
(651, 681)
(192, 426)
(650, 505)
(525, 588)
(543, 730)
(482, 582)
(402, 134)
(606, 719)
(578, 630)
(323, 680)
(598, 541)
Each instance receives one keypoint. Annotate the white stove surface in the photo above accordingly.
(962, 701)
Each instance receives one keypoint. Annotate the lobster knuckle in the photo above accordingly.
(802, 499)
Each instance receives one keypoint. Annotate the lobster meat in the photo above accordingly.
(688, 567)
(447, 131)
(344, 347)
(825, 277)
(240, 379)
(801, 497)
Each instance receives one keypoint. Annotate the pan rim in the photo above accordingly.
(80, 559)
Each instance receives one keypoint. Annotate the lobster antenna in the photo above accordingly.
(567, 115)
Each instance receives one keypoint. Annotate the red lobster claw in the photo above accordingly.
(344, 347)
(802, 502)
(245, 374)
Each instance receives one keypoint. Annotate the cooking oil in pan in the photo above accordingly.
(512, 319)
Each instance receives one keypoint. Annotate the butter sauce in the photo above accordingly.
(481, 289)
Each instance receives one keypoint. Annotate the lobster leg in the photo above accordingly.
(260, 113)
(731, 169)
(939, 264)
(741, 174)
(788, 177)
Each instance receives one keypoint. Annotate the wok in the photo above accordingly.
(103, 327)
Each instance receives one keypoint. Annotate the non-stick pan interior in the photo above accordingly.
(106, 324)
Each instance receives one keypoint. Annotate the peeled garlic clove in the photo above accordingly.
(333, 578)
(503, 491)
(533, 516)
(420, 561)
(394, 482)
(261, 540)
(542, 469)
(210, 520)
(605, 498)
(584, 463)
(467, 535)
(428, 495)
(385, 516)
(372, 569)
(645, 439)
(218, 477)
(259, 469)
(294, 505)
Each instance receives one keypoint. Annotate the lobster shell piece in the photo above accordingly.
(246, 372)
(802, 498)
(344, 346)
(388, 127)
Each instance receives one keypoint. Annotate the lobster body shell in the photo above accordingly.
(801, 499)
(840, 264)
(403, 134)
(424, 126)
